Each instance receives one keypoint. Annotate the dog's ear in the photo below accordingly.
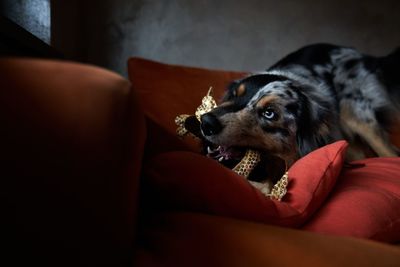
(313, 123)
(229, 93)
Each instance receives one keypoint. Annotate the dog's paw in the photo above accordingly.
(263, 187)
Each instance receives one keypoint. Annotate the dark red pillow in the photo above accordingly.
(186, 180)
(365, 202)
(166, 91)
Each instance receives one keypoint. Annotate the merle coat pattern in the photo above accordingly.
(312, 97)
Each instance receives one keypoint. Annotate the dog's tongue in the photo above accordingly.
(225, 153)
(230, 153)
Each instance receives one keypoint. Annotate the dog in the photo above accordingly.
(316, 95)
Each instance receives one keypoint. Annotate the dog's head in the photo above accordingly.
(269, 113)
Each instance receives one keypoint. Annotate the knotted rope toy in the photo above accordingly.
(246, 164)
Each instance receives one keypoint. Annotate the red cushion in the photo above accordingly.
(166, 91)
(195, 182)
(365, 202)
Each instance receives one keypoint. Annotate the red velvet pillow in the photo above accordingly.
(190, 181)
(166, 91)
(365, 202)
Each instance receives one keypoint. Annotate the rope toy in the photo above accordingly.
(246, 164)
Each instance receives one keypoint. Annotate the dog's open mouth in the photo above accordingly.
(251, 163)
(243, 161)
(223, 153)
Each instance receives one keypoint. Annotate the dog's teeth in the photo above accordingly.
(209, 151)
(221, 159)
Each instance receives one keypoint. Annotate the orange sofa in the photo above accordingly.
(78, 144)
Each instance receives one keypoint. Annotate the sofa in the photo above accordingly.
(93, 174)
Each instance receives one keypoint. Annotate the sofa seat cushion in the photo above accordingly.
(193, 239)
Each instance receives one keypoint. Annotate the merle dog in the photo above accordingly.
(312, 97)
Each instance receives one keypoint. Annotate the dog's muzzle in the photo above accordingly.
(210, 124)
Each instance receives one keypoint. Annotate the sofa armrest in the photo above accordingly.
(71, 146)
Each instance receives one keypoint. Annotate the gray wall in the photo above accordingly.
(32, 15)
(223, 34)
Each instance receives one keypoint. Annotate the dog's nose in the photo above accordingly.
(210, 125)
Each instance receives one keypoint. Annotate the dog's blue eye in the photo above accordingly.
(269, 114)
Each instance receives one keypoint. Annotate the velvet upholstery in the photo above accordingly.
(192, 182)
(166, 91)
(184, 180)
(71, 145)
(196, 239)
(364, 203)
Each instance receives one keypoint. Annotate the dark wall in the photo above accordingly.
(76, 28)
(224, 34)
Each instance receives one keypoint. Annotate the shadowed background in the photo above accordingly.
(225, 34)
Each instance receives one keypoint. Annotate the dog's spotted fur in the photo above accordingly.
(313, 97)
